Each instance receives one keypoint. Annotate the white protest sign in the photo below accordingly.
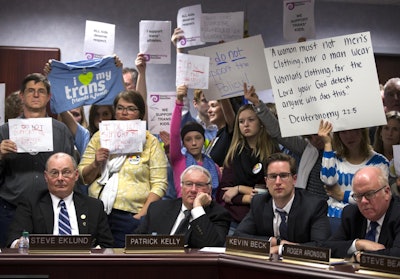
(232, 64)
(192, 70)
(155, 41)
(99, 39)
(333, 79)
(160, 107)
(123, 136)
(2, 104)
(218, 27)
(32, 134)
(298, 19)
(396, 159)
(189, 20)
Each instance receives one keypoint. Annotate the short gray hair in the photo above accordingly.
(199, 169)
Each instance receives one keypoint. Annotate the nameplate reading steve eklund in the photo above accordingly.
(139, 243)
(60, 243)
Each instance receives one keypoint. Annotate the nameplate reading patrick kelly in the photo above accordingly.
(59, 243)
(160, 243)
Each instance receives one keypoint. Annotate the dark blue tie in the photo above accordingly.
(64, 226)
(283, 225)
(371, 234)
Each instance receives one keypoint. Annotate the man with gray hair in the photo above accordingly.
(196, 215)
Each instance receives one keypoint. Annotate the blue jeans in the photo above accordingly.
(121, 223)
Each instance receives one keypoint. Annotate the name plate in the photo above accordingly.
(247, 246)
(380, 263)
(306, 253)
(60, 243)
(139, 243)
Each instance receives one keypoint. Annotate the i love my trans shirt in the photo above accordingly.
(86, 82)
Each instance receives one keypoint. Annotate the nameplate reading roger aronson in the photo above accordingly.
(139, 243)
(247, 246)
(60, 243)
(380, 263)
(306, 253)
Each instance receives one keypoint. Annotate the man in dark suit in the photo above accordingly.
(285, 215)
(39, 213)
(209, 221)
(373, 225)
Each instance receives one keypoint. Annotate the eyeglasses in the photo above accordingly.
(31, 91)
(282, 175)
(198, 185)
(368, 195)
(64, 173)
(130, 109)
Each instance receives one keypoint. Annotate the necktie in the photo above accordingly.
(184, 224)
(64, 227)
(371, 234)
(283, 225)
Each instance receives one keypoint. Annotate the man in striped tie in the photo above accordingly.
(60, 210)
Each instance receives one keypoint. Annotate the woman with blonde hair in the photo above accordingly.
(243, 167)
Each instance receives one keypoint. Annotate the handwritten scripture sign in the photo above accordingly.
(139, 243)
(218, 27)
(99, 39)
(298, 19)
(123, 136)
(32, 135)
(247, 246)
(59, 243)
(232, 64)
(160, 107)
(155, 41)
(333, 79)
(380, 263)
(189, 20)
(192, 70)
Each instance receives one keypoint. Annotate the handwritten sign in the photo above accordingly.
(298, 19)
(192, 70)
(189, 20)
(232, 64)
(123, 136)
(218, 27)
(160, 106)
(32, 134)
(99, 39)
(155, 41)
(333, 79)
(2, 106)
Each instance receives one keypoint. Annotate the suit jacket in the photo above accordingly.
(307, 220)
(208, 230)
(354, 225)
(36, 216)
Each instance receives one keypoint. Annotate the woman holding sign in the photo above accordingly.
(126, 183)
(344, 153)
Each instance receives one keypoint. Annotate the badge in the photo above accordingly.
(83, 216)
(134, 159)
(257, 168)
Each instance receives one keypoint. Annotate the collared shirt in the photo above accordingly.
(69, 203)
(353, 248)
(277, 217)
(195, 213)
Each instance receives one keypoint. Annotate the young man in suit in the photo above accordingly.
(40, 212)
(373, 225)
(209, 221)
(285, 215)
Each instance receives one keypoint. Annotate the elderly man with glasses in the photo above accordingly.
(373, 225)
(202, 221)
